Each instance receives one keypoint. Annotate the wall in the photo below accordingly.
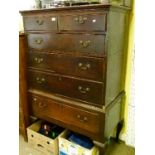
(23, 5)
(128, 132)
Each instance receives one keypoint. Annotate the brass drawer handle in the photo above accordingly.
(39, 22)
(38, 60)
(78, 116)
(85, 44)
(80, 19)
(85, 118)
(81, 119)
(83, 90)
(38, 41)
(34, 99)
(40, 80)
(83, 67)
(41, 105)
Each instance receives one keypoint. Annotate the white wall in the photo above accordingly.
(24, 5)
(130, 133)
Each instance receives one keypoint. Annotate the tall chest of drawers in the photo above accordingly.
(75, 62)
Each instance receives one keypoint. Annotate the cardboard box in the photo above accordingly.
(69, 148)
(40, 142)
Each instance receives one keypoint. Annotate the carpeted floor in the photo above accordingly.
(112, 149)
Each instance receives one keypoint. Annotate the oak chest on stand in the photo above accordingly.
(75, 64)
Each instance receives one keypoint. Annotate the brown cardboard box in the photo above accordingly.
(40, 142)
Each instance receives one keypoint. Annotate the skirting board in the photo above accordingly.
(123, 137)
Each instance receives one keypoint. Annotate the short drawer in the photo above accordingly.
(85, 67)
(86, 22)
(40, 22)
(86, 91)
(44, 107)
(73, 43)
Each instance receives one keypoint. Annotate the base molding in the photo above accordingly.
(123, 137)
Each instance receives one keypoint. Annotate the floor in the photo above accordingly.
(112, 149)
(119, 149)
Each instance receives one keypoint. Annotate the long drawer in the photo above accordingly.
(44, 107)
(87, 91)
(86, 67)
(74, 43)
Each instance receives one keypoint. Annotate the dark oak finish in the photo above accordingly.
(23, 106)
(45, 107)
(76, 43)
(75, 63)
(49, 107)
(84, 67)
(40, 22)
(83, 22)
(61, 85)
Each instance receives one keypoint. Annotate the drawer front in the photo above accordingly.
(81, 118)
(86, 22)
(40, 22)
(44, 107)
(74, 88)
(74, 43)
(92, 68)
